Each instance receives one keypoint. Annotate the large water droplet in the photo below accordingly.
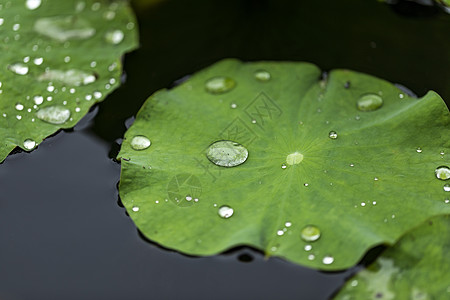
(442, 172)
(64, 28)
(310, 233)
(114, 36)
(70, 77)
(54, 114)
(219, 85)
(262, 75)
(29, 144)
(227, 153)
(294, 158)
(140, 142)
(19, 68)
(225, 212)
(369, 102)
(33, 4)
(333, 135)
(327, 260)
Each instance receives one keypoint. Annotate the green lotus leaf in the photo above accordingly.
(58, 59)
(416, 267)
(314, 169)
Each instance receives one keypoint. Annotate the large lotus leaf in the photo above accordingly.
(58, 58)
(324, 181)
(415, 268)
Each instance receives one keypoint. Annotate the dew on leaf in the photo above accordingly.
(447, 187)
(262, 75)
(310, 233)
(135, 208)
(442, 173)
(283, 166)
(219, 85)
(38, 61)
(280, 232)
(227, 153)
(19, 68)
(225, 211)
(33, 4)
(64, 28)
(140, 142)
(333, 135)
(369, 102)
(19, 106)
(114, 36)
(419, 150)
(70, 77)
(307, 247)
(53, 114)
(328, 260)
(29, 144)
(294, 158)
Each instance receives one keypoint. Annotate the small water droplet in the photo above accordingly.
(227, 153)
(306, 184)
(363, 204)
(369, 102)
(354, 283)
(419, 150)
(219, 85)
(135, 208)
(19, 106)
(140, 142)
(188, 198)
(283, 166)
(447, 187)
(311, 257)
(262, 75)
(38, 61)
(64, 28)
(19, 69)
(310, 233)
(327, 260)
(288, 224)
(233, 105)
(446, 201)
(401, 96)
(280, 232)
(29, 144)
(53, 114)
(333, 135)
(33, 4)
(225, 212)
(352, 165)
(376, 179)
(442, 173)
(114, 36)
(308, 247)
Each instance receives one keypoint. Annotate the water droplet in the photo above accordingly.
(294, 158)
(29, 144)
(376, 179)
(227, 153)
(283, 166)
(288, 224)
(233, 105)
(53, 114)
(306, 184)
(310, 233)
(442, 172)
(262, 75)
(225, 212)
(64, 28)
(33, 4)
(114, 36)
(38, 61)
(328, 260)
(447, 187)
(369, 102)
(333, 135)
(188, 198)
(70, 77)
(311, 257)
(19, 106)
(135, 208)
(280, 232)
(419, 150)
(219, 85)
(140, 142)
(19, 68)
(446, 201)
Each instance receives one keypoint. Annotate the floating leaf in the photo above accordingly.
(58, 59)
(306, 176)
(414, 268)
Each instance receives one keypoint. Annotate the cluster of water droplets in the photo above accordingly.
(63, 89)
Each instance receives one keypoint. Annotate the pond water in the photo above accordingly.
(63, 234)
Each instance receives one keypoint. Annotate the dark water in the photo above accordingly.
(62, 233)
